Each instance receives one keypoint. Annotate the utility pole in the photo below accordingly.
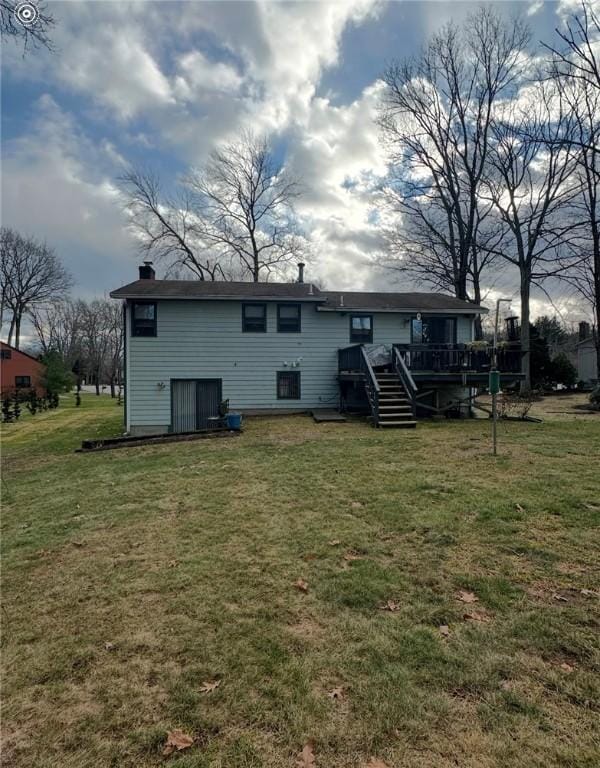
(494, 383)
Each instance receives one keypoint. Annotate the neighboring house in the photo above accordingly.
(587, 355)
(20, 371)
(283, 347)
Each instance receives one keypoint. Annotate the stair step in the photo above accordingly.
(386, 411)
(396, 416)
(399, 424)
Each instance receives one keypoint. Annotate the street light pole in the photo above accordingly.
(495, 378)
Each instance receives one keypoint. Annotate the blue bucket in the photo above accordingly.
(234, 420)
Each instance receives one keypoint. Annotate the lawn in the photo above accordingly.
(451, 616)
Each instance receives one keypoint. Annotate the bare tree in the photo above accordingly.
(436, 115)
(167, 226)
(575, 68)
(234, 217)
(114, 348)
(532, 184)
(246, 202)
(58, 328)
(29, 24)
(576, 57)
(94, 337)
(31, 274)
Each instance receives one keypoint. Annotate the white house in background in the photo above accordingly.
(284, 347)
(587, 355)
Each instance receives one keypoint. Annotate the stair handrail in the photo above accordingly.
(371, 384)
(406, 378)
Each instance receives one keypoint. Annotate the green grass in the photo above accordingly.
(183, 557)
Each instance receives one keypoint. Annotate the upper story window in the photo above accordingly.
(254, 318)
(361, 329)
(22, 381)
(5, 354)
(289, 318)
(433, 330)
(143, 318)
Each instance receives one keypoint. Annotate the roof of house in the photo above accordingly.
(20, 352)
(396, 302)
(334, 301)
(208, 289)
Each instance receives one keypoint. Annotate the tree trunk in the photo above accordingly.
(112, 387)
(11, 330)
(596, 278)
(525, 334)
(477, 301)
(18, 318)
(98, 383)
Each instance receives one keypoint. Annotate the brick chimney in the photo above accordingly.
(584, 331)
(147, 271)
(301, 272)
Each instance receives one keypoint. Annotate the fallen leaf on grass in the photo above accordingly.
(356, 505)
(467, 597)
(173, 563)
(351, 555)
(506, 685)
(336, 693)
(390, 605)
(444, 630)
(566, 667)
(334, 543)
(560, 598)
(301, 585)
(208, 686)
(476, 616)
(519, 508)
(109, 646)
(588, 593)
(306, 758)
(176, 741)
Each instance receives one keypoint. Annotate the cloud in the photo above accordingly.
(57, 186)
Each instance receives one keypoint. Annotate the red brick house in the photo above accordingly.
(20, 371)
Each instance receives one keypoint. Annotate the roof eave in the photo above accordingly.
(154, 297)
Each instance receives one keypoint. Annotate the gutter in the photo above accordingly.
(474, 310)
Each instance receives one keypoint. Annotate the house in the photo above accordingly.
(587, 355)
(20, 371)
(285, 347)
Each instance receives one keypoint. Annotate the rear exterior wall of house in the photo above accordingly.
(205, 340)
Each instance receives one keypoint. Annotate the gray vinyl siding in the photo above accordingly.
(204, 340)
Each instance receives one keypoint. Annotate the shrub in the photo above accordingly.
(58, 378)
(594, 397)
(562, 371)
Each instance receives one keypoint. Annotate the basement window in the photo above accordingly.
(288, 385)
(22, 382)
(361, 329)
(143, 318)
(254, 318)
(288, 318)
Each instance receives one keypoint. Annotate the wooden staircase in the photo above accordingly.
(393, 408)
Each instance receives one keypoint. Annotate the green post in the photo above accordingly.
(494, 382)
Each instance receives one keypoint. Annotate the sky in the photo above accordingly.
(159, 84)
